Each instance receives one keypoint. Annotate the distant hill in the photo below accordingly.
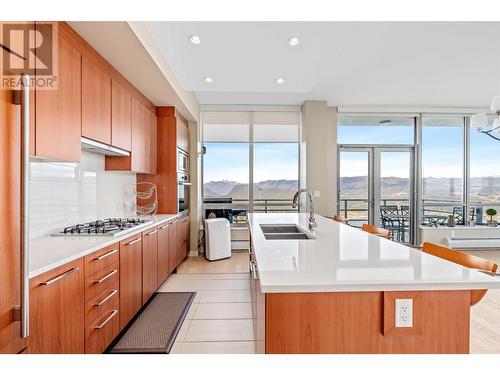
(483, 189)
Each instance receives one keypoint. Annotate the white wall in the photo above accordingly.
(319, 149)
(63, 194)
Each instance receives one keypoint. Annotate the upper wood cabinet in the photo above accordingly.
(182, 133)
(121, 117)
(96, 102)
(57, 121)
(143, 150)
(172, 133)
(56, 310)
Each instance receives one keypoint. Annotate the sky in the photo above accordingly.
(229, 161)
(441, 155)
(441, 151)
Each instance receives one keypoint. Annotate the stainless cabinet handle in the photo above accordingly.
(60, 277)
(105, 299)
(101, 257)
(25, 174)
(105, 277)
(106, 321)
(134, 241)
(253, 269)
(152, 232)
(165, 226)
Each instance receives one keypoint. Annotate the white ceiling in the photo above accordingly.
(345, 63)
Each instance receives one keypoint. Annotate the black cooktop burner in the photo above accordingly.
(110, 226)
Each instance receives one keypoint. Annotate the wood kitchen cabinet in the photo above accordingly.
(163, 254)
(56, 313)
(121, 117)
(96, 102)
(172, 134)
(149, 263)
(183, 238)
(173, 245)
(143, 144)
(130, 278)
(56, 128)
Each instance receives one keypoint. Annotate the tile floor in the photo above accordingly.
(220, 318)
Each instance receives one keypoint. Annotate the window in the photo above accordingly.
(442, 168)
(375, 130)
(230, 138)
(275, 175)
(484, 175)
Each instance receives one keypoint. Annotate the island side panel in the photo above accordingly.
(346, 322)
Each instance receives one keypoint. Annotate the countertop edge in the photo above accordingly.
(41, 270)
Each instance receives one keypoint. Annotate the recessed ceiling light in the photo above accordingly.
(208, 80)
(195, 39)
(294, 41)
(280, 81)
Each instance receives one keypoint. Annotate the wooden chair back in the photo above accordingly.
(376, 231)
(464, 259)
(340, 219)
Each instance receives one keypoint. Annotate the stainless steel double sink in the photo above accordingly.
(284, 232)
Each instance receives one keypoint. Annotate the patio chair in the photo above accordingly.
(390, 222)
(464, 259)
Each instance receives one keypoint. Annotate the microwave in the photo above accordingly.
(182, 161)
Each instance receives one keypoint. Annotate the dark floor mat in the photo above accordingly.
(154, 330)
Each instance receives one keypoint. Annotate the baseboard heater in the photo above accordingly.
(474, 243)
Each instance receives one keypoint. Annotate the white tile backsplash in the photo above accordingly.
(62, 194)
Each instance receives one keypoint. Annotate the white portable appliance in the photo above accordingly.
(217, 239)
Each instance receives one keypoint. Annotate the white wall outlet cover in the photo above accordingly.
(404, 313)
(316, 193)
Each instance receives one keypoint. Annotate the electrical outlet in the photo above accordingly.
(404, 313)
(316, 193)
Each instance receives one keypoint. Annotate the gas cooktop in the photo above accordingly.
(107, 227)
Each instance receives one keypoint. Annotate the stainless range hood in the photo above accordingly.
(100, 148)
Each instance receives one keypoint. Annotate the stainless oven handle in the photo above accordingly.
(25, 170)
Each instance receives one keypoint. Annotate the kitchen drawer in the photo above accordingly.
(101, 303)
(102, 331)
(101, 259)
(101, 280)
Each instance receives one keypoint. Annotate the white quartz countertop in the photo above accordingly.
(343, 258)
(47, 253)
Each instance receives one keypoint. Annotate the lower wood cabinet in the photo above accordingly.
(81, 307)
(183, 238)
(130, 278)
(149, 263)
(102, 319)
(56, 313)
(163, 269)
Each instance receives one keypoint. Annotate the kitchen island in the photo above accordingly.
(337, 290)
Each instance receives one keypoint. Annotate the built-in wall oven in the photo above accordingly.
(183, 190)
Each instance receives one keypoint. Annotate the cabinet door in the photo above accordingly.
(139, 149)
(183, 238)
(182, 133)
(163, 253)
(149, 263)
(130, 278)
(10, 244)
(58, 112)
(121, 117)
(173, 246)
(96, 102)
(152, 144)
(57, 310)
